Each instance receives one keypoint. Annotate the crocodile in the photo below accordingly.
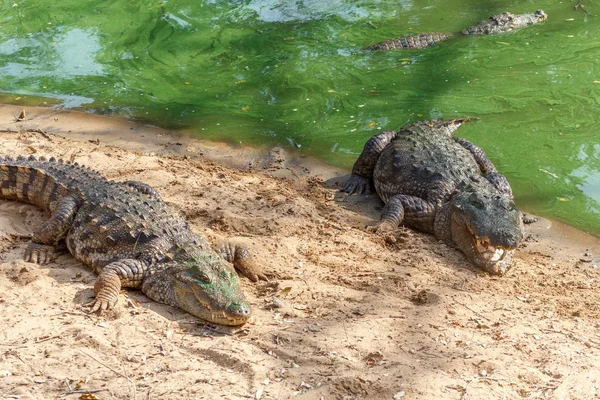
(496, 24)
(130, 237)
(444, 185)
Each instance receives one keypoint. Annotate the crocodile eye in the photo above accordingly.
(202, 276)
(477, 204)
(196, 275)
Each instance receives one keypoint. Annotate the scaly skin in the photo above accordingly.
(441, 185)
(505, 22)
(411, 42)
(496, 24)
(130, 237)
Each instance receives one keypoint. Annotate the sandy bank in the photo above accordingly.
(365, 316)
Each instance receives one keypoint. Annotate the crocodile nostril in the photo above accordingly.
(241, 309)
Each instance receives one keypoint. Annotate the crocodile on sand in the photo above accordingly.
(500, 23)
(130, 237)
(443, 185)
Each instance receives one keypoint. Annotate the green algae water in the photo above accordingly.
(294, 73)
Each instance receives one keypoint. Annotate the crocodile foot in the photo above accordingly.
(382, 226)
(99, 304)
(107, 289)
(357, 184)
(242, 261)
(39, 253)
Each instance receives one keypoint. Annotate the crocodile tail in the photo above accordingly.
(39, 182)
(410, 42)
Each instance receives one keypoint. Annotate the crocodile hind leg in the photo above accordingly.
(43, 243)
(478, 154)
(415, 211)
(487, 168)
(143, 188)
(114, 276)
(362, 172)
(242, 261)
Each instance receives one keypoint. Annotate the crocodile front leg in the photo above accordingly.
(415, 211)
(362, 172)
(43, 242)
(242, 261)
(114, 276)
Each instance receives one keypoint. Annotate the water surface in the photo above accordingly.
(294, 73)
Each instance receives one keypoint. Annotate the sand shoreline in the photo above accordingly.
(154, 140)
(365, 316)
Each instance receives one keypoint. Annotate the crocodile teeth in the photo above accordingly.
(493, 254)
(482, 245)
(488, 252)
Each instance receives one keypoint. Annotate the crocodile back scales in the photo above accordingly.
(423, 161)
(113, 220)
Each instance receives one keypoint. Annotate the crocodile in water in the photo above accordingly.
(500, 23)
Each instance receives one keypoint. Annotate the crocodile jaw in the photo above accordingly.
(195, 300)
(495, 258)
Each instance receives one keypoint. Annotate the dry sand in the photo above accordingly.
(365, 316)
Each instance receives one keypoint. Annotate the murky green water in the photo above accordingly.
(293, 72)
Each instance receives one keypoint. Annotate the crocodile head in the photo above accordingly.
(530, 19)
(505, 22)
(486, 226)
(205, 286)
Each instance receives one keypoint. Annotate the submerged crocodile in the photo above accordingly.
(130, 237)
(443, 185)
(500, 23)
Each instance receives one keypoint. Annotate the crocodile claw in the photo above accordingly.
(100, 304)
(357, 184)
(382, 227)
(39, 253)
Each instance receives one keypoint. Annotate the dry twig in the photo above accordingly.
(581, 6)
(480, 378)
(113, 370)
(83, 391)
(469, 308)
